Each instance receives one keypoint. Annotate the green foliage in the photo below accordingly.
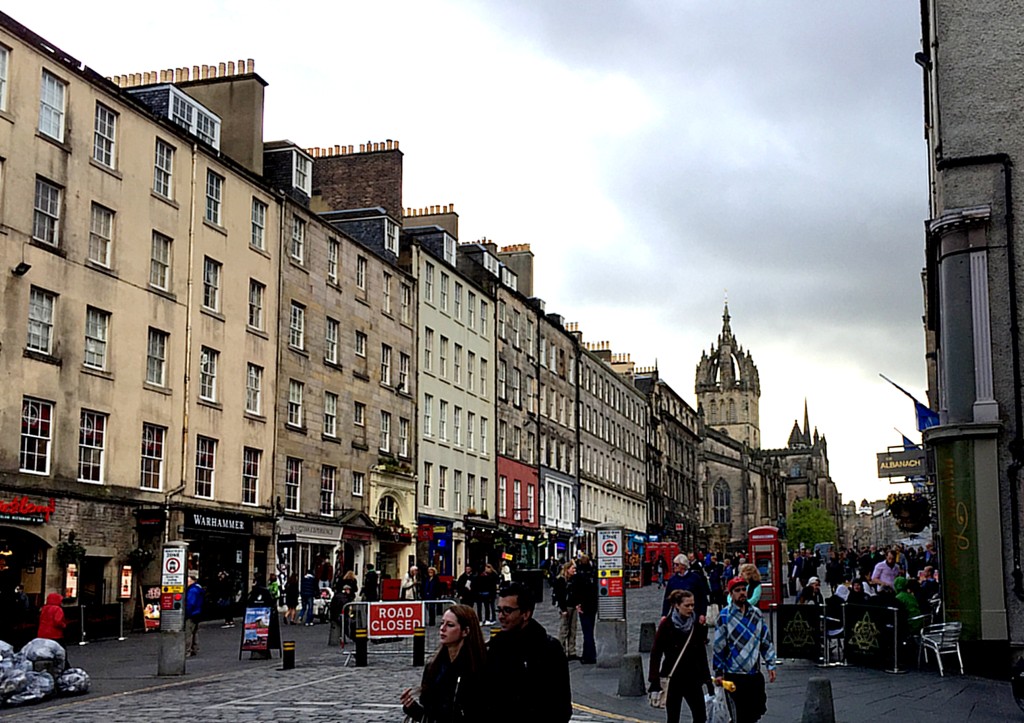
(809, 523)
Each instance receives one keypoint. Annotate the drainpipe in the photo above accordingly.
(1017, 443)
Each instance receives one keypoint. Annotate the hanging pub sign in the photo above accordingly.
(23, 509)
(901, 463)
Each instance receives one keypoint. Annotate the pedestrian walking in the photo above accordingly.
(679, 655)
(526, 664)
(433, 589)
(742, 641)
(464, 586)
(659, 571)
(51, 619)
(349, 578)
(485, 588)
(452, 689)
(562, 593)
(411, 585)
(370, 581)
(195, 595)
(308, 590)
(291, 599)
(226, 597)
(685, 578)
(584, 590)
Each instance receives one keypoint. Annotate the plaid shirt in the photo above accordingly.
(741, 637)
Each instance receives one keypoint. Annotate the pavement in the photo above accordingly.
(325, 685)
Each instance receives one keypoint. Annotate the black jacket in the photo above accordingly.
(668, 641)
(452, 693)
(531, 667)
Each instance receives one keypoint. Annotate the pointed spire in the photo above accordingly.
(725, 319)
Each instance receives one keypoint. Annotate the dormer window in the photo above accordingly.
(391, 236)
(449, 249)
(509, 279)
(183, 110)
(302, 173)
(491, 263)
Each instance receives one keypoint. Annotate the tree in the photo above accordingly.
(809, 523)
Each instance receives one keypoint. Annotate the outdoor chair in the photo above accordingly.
(941, 639)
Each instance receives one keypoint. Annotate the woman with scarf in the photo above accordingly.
(681, 637)
(451, 690)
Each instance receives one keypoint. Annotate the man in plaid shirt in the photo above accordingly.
(741, 639)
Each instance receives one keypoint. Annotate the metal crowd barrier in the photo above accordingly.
(864, 635)
(356, 627)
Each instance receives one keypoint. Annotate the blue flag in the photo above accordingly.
(925, 417)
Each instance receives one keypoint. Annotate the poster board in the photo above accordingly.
(260, 630)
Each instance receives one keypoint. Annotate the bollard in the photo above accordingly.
(419, 644)
(818, 707)
(288, 655)
(334, 636)
(647, 631)
(361, 647)
(631, 676)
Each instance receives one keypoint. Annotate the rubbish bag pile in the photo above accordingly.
(37, 672)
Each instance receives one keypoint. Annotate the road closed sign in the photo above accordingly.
(395, 619)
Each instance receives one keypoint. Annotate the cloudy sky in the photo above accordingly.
(656, 156)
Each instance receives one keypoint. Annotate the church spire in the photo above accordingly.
(807, 423)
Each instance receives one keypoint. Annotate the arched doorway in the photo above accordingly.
(22, 562)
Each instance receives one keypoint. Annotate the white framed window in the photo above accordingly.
(403, 372)
(214, 196)
(46, 213)
(443, 358)
(92, 431)
(391, 236)
(358, 483)
(502, 490)
(502, 381)
(385, 431)
(428, 473)
(208, 360)
(442, 420)
(387, 292)
(406, 303)
(470, 431)
(297, 327)
(52, 98)
(530, 502)
(151, 474)
(442, 487)
(258, 220)
(36, 436)
(302, 172)
(328, 476)
(428, 415)
(516, 321)
(97, 328)
(292, 483)
(471, 310)
(502, 436)
(40, 320)
(206, 466)
(101, 234)
(517, 380)
(297, 250)
(403, 437)
(385, 365)
(104, 136)
(211, 283)
(428, 349)
(502, 329)
(458, 363)
(483, 495)
(163, 169)
(483, 378)
(156, 357)
(251, 459)
(160, 262)
(483, 436)
(296, 390)
(458, 300)
(483, 319)
(428, 282)
(361, 273)
(333, 258)
(331, 335)
(257, 291)
(457, 489)
(444, 291)
(359, 414)
(254, 389)
(457, 425)
(471, 492)
(360, 344)
(5, 55)
(470, 370)
(330, 414)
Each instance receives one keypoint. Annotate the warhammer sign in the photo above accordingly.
(22, 509)
(909, 463)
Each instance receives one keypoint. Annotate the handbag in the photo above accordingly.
(659, 699)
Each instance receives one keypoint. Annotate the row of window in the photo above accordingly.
(457, 309)
(455, 434)
(328, 486)
(445, 490)
(511, 445)
(599, 504)
(476, 370)
(519, 512)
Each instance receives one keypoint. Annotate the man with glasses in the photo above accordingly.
(522, 659)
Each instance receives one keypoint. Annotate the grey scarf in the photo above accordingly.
(682, 624)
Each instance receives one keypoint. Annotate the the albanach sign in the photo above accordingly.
(22, 509)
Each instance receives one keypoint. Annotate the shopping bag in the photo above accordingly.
(718, 707)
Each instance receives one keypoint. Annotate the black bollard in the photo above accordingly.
(361, 647)
(288, 655)
(419, 645)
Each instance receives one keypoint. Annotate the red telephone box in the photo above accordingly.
(766, 554)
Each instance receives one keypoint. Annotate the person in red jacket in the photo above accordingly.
(51, 618)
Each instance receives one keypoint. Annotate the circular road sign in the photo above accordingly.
(610, 547)
(172, 565)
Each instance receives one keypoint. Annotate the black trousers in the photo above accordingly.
(690, 691)
(750, 698)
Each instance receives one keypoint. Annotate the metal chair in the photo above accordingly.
(941, 639)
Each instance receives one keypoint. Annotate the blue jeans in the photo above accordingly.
(306, 615)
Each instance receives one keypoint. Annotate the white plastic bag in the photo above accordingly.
(718, 707)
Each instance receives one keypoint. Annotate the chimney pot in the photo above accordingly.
(250, 66)
(221, 70)
(231, 67)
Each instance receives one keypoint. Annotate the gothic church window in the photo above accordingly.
(722, 502)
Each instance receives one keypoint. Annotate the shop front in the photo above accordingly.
(27, 535)
(307, 545)
(357, 544)
(228, 550)
(435, 546)
(481, 534)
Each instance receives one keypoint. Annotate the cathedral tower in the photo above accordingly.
(728, 388)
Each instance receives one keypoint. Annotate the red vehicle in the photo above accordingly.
(664, 550)
(766, 554)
